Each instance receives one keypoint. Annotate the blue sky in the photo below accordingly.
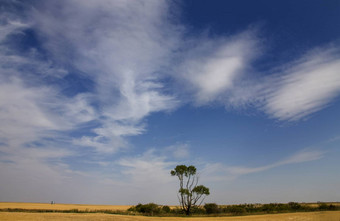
(99, 100)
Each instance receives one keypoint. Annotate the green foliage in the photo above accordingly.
(212, 208)
(181, 170)
(324, 206)
(202, 190)
(275, 208)
(147, 209)
(272, 207)
(235, 209)
(197, 210)
(151, 209)
(294, 206)
(166, 209)
(177, 211)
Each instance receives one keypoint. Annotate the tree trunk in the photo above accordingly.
(187, 211)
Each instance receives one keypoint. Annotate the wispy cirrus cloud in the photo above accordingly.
(304, 86)
(48, 116)
(300, 157)
(147, 167)
(121, 59)
(179, 150)
(292, 91)
(219, 71)
(21, 114)
(212, 66)
(126, 67)
(220, 172)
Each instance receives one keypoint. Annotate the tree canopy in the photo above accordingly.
(190, 194)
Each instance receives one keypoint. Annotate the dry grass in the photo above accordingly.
(311, 216)
(48, 206)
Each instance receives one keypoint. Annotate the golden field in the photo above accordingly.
(43, 206)
(311, 216)
(6, 216)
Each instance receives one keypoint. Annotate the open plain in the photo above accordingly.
(48, 206)
(310, 216)
(30, 216)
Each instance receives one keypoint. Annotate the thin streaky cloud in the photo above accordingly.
(220, 172)
(305, 87)
(126, 88)
(300, 157)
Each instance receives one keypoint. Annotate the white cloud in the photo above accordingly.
(23, 120)
(109, 138)
(147, 178)
(293, 91)
(305, 86)
(10, 24)
(104, 42)
(220, 172)
(212, 66)
(147, 169)
(78, 108)
(120, 53)
(178, 151)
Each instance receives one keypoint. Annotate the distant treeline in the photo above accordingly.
(212, 209)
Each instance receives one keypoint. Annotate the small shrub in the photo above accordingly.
(294, 206)
(197, 210)
(235, 209)
(323, 206)
(211, 208)
(133, 208)
(149, 209)
(332, 207)
(268, 207)
(177, 211)
(166, 209)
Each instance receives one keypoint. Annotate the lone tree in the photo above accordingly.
(190, 194)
